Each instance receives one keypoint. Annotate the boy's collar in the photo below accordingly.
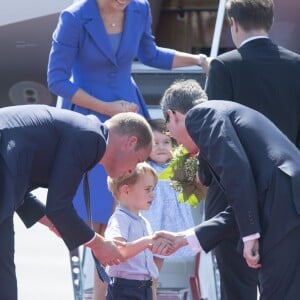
(127, 212)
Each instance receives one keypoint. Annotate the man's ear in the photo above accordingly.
(131, 142)
(178, 117)
(235, 25)
(172, 114)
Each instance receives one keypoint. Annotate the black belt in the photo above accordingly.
(132, 283)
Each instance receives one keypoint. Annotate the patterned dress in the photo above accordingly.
(166, 213)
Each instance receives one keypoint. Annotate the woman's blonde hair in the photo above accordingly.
(114, 184)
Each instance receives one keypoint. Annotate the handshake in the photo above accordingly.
(115, 251)
(166, 242)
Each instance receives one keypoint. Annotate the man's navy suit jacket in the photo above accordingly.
(263, 76)
(43, 146)
(255, 165)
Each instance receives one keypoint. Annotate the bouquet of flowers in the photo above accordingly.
(182, 171)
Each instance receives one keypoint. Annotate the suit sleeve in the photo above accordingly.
(31, 211)
(149, 53)
(72, 161)
(219, 82)
(220, 146)
(211, 232)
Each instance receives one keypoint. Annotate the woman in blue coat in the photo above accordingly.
(94, 45)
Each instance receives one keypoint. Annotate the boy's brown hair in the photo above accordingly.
(114, 184)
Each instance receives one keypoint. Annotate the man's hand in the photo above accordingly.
(161, 246)
(106, 251)
(176, 239)
(251, 253)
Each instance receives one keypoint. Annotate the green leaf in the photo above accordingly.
(180, 198)
(166, 174)
(192, 200)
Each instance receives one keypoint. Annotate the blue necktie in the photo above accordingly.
(101, 271)
(86, 190)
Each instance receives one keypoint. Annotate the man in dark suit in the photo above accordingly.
(265, 77)
(43, 146)
(257, 168)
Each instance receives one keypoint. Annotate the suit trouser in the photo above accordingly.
(280, 272)
(238, 281)
(8, 281)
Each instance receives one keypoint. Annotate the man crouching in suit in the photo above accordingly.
(42, 146)
(257, 168)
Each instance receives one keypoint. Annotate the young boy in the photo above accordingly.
(132, 279)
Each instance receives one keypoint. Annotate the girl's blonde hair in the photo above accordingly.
(114, 184)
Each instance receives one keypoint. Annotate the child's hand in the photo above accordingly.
(162, 246)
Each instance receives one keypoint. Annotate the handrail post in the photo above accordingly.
(218, 29)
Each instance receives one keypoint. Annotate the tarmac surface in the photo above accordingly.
(42, 262)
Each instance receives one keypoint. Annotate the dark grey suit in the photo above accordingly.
(264, 77)
(44, 146)
(258, 170)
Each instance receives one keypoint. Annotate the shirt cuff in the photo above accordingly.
(192, 240)
(250, 237)
(86, 244)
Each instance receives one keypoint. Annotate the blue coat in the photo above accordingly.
(82, 50)
(82, 57)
